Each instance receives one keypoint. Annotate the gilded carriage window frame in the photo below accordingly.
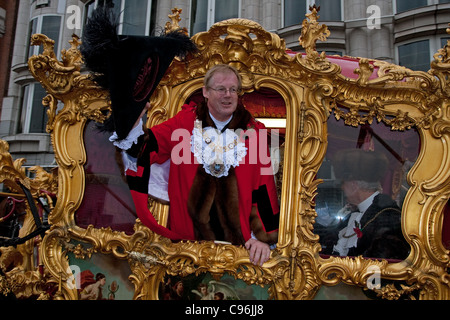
(314, 89)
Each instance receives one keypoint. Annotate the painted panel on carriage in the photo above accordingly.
(102, 277)
(205, 287)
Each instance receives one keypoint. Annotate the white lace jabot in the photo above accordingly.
(216, 151)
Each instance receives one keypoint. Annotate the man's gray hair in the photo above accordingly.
(224, 68)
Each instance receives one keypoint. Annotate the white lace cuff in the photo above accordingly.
(129, 162)
(131, 139)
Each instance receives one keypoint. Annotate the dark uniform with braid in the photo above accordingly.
(379, 231)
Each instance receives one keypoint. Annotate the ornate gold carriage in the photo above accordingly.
(93, 229)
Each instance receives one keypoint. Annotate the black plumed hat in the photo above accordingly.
(129, 67)
(359, 164)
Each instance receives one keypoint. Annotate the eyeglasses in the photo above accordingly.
(223, 90)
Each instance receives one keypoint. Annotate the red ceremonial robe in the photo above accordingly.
(255, 181)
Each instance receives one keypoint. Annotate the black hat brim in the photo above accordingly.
(359, 164)
(129, 67)
(136, 68)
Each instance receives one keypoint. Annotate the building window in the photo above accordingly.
(50, 25)
(330, 10)
(2, 22)
(405, 5)
(295, 10)
(34, 115)
(204, 13)
(135, 18)
(134, 15)
(415, 55)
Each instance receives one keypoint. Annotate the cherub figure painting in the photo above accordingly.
(215, 290)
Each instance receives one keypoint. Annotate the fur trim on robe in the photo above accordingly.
(214, 202)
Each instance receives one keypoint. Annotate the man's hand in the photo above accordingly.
(259, 251)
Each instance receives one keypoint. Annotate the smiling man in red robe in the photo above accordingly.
(218, 186)
(205, 161)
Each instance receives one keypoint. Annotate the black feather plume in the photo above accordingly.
(184, 43)
(100, 39)
(128, 67)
